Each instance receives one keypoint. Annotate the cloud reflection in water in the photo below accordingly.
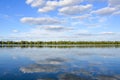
(47, 68)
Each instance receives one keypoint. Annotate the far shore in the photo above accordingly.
(60, 44)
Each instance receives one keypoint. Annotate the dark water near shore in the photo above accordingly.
(60, 63)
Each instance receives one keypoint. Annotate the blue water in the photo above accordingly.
(59, 63)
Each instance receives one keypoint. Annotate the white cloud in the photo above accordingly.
(116, 13)
(91, 25)
(82, 17)
(95, 0)
(15, 31)
(57, 28)
(72, 10)
(49, 5)
(112, 8)
(52, 5)
(96, 34)
(46, 32)
(46, 9)
(40, 21)
(29, 1)
(105, 11)
(107, 33)
(102, 19)
(35, 3)
(114, 3)
(41, 33)
(69, 2)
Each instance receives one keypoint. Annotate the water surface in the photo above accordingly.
(60, 63)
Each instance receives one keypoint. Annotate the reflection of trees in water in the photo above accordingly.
(63, 46)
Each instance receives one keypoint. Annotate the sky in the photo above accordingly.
(54, 20)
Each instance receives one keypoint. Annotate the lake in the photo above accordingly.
(60, 63)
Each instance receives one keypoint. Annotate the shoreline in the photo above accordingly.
(60, 44)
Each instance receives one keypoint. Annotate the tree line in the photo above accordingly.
(57, 42)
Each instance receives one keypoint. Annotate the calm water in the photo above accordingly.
(59, 63)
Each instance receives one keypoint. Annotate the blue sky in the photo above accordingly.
(46, 20)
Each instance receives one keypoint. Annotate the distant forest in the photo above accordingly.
(57, 43)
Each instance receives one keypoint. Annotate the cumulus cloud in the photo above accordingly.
(107, 33)
(29, 1)
(85, 34)
(95, 0)
(82, 17)
(72, 10)
(15, 31)
(112, 8)
(49, 5)
(116, 13)
(57, 28)
(35, 3)
(78, 14)
(40, 21)
(43, 32)
(96, 34)
(114, 3)
(46, 9)
(105, 11)
(69, 2)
